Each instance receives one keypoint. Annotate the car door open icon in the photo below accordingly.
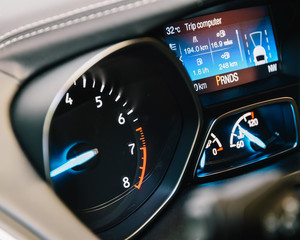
(259, 52)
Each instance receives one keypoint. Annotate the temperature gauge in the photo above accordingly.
(249, 135)
(212, 148)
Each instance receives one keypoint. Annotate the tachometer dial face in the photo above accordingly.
(111, 135)
(105, 148)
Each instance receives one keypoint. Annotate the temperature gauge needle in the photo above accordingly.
(202, 161)
(253, 138)
(74, 162)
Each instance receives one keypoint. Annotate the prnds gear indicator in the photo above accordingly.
(225, 49)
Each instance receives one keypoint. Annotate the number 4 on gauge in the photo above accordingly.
(69, 100)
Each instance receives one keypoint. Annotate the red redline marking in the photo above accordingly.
(144, 158)
(144, 149)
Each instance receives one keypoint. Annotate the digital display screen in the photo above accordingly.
(225, 49)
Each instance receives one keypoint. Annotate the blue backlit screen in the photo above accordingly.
(225, 49)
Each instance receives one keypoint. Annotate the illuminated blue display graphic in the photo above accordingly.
(240, 138)
(74, 162)
(253, 138)
(217, 44)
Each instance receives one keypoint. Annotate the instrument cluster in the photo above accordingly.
(120, 129)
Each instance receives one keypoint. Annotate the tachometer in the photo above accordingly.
(117, 135)
(105, 147)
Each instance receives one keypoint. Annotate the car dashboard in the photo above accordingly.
(126, 119)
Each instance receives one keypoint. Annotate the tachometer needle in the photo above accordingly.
(253, 138)
(74, 162)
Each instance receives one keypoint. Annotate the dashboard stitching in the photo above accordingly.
(71, 22)
(58, 17)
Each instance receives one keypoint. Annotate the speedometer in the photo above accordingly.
(247, 129)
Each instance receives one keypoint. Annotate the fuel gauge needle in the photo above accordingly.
(253, 138)
(74, 162)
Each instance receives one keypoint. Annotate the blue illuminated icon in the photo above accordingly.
(74, 162)
(253, 138)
